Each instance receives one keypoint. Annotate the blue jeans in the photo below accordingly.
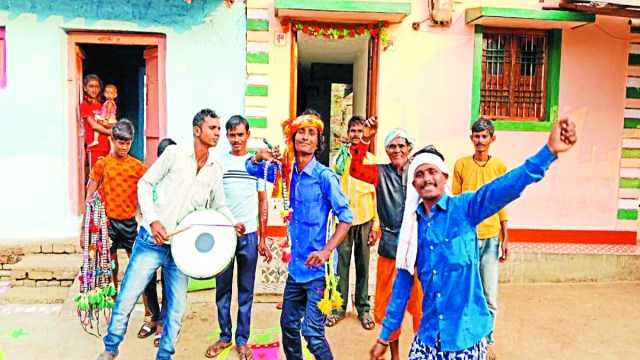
(247, 259)
(145, 260)
(300, 301)
(489, 254)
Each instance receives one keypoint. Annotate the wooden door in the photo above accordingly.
(152, 105)
(81, 164)
(372, 82)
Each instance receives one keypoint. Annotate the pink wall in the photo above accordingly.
(425, 87)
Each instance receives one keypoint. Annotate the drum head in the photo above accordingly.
(207, 248)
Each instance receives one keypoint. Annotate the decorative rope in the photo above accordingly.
(332, 298)
(96, 286)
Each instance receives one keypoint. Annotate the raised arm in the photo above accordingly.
(358, 169)
(495, 195)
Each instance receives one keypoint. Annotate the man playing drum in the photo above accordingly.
(241, 191)
(187, 178)
(315, 190)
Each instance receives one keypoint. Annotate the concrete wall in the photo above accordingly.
(205, 67)
(426, 87)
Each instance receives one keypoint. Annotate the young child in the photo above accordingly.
(108, 113)
(470, 173)
(116, 177)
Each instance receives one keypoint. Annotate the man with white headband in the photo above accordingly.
(438, 241)
(390, 181)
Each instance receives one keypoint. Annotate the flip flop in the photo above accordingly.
(333, 319)
(156, 339)
(367, 322)
(247, 355)
(146, 330)
(215, 349)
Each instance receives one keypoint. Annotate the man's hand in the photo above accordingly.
(264, 251)
(317, 259)
(373, 237)
(377, 351)
(370, 129)
(159, 233)
(563, 136)
(266, 154)
(239, 229)
(504, 246)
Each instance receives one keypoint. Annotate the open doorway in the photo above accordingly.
(334, 78)
(124, 67)
(135, 64)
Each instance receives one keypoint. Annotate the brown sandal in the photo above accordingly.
(247, 355)
(216, 349)
(146, 330)
(367, 322)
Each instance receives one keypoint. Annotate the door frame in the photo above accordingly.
(373, 72)
(153, 127)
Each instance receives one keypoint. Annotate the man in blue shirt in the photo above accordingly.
(314, 191)
(443, 249)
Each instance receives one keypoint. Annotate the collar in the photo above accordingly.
(191, 152)
(309, 168)
(442, 204)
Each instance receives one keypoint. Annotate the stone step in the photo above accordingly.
(45, 270)
(31, 295)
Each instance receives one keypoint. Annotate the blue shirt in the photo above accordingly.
(447, 261)
(314, 192)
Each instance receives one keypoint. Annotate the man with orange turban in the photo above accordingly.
(314, 191)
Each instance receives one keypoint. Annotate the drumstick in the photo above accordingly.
(179, 231)
(221, 225)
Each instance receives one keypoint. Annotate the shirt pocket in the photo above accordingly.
(311, 204)
(201, 192)
(455, 252)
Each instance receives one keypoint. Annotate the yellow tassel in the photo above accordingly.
(325, 304)
(337, 300)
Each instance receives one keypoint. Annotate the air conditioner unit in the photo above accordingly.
(441, 11)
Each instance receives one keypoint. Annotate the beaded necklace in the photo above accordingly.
(473, 157)
(96, 286)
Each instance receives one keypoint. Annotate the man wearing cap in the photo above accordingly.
(438, 242)
(314, 191)
(390, 181)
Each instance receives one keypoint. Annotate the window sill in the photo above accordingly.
(522, 125)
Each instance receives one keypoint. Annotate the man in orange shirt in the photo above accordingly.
(115, 177)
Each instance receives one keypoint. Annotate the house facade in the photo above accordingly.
(442, 66)
(169, 59)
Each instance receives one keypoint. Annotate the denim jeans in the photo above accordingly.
(247, 259)
(300, 301)
(357, 238)
(145, 260)
(151, 292)
(489, 254)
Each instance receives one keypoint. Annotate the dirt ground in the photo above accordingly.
(549, 321)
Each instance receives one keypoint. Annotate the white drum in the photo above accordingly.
(208, 245)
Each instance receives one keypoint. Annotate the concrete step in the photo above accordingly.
(46, 270)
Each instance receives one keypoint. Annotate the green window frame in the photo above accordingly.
(552, 80)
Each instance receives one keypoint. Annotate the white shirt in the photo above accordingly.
(241, 190)
(179, 189)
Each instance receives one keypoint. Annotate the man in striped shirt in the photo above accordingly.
(363, 233)
(246, 198)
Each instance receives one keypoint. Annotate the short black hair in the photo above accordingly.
(483, 124)
(202, 114)
(355, 119)
(235, 121)
(429, 149)
(123, 130)
(163, 144)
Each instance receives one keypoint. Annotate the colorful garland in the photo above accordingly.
(96, 286)
(339, 32)
(332, 298)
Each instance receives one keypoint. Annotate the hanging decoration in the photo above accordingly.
(332, 298)
(96, 285)
(342, 31)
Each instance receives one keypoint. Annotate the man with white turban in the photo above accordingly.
(438, 242)
(390, 181)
